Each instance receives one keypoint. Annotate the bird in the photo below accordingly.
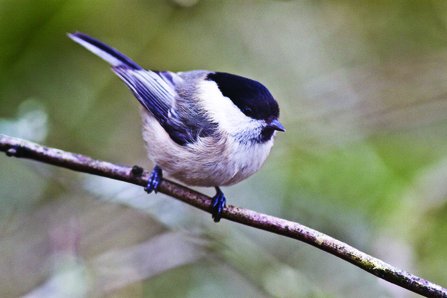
(202, 128)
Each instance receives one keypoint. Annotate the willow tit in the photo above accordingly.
(201, 127)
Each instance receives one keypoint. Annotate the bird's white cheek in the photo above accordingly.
(222, 110)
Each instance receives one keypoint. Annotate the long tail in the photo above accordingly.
(107, 53)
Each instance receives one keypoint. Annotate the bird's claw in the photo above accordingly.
(219, 202)
(154, 180)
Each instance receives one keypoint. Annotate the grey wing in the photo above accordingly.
(156, 92)
(150, 90)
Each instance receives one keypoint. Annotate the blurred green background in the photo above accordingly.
(362, 87)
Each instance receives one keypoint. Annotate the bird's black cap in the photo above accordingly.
(250, 96)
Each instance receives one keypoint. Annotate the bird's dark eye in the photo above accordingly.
(247, 111)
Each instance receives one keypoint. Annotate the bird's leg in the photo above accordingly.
(154, 180)
(217, 204)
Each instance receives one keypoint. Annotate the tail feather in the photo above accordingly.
(104, 51)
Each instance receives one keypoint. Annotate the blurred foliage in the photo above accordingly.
(362, 86)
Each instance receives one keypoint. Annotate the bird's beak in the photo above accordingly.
(276, 125)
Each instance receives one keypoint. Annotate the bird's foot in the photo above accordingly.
(218, 203)
(154, 180)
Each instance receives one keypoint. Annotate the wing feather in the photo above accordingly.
(150, 90)
(155, 90)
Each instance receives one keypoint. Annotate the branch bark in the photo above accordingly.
(137, 175)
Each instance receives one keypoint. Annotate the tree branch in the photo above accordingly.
(136, 175)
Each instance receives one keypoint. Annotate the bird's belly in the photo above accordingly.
(207, 163)
(216, 167)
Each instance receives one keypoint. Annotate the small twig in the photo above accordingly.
(136, 175)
